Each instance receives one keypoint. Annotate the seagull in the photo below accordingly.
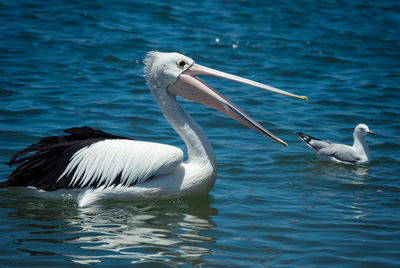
(325, 150)
(88, 164)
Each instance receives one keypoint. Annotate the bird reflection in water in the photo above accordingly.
(143, 232)
(344, 173)
(147, 232)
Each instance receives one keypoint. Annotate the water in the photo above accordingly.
(77, 63)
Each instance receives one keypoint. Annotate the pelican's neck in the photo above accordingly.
(360, 145)
(199, 149)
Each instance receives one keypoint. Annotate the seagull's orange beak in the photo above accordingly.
(193, 88)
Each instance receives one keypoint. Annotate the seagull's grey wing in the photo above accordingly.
(319, 144)
(340, 152)
(314, 143)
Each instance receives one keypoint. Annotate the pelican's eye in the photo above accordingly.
(182, 64)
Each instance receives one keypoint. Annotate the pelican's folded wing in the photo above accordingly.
(120, 162)
(90, 158)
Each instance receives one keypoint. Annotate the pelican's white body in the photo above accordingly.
(168, 176)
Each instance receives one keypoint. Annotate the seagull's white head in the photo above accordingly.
(173, 74)
(362, 130)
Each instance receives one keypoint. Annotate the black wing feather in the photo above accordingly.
(49, 158)
(305, 137)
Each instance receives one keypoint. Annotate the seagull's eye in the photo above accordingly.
(182, 64)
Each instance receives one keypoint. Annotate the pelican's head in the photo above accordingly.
(163, 69)
(362, 130)
(174, 74)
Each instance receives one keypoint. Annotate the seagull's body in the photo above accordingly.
(90, 164)
(326, 150)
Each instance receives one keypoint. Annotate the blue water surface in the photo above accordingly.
(75, 63)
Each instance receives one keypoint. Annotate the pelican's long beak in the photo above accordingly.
(193, 88)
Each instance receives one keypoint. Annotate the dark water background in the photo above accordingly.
(74, 63)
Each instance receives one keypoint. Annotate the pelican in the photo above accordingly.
(89, 164)
(326, 150)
